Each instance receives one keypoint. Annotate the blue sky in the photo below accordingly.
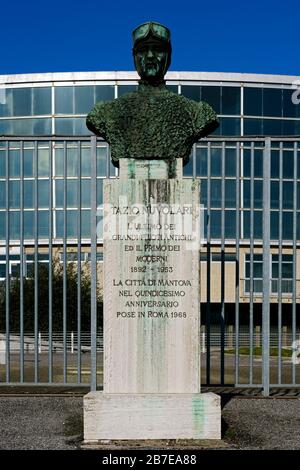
(225, 36)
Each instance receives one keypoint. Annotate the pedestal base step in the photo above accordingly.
(151, 416)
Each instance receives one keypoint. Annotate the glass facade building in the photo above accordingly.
(44, 105)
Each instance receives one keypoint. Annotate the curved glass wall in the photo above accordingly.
(244, 109)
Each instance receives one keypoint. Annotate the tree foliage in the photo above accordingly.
(41, 294)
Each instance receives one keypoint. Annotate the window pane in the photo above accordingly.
(290, 127)
(253, 101)
(71, 126)
(85, 161)
(14, 194)
(64, 100)
(230, 221)
(80, 127)
(43, 224)
(28, 224)
(101, 161)
(257, 224)
(28, 162)
(72, 193)
(272, 127)
(71, 220)
(274, 194)
(2, 164)
(201, 161)
(230, 126)
(2, 224)
(289, 108)
(191, 92)
(246, 194)
(59, 195)
(257, 286)
(2, 271)
(203, 192)
(215, 193)
(86, 193)
(84, 99)
(72, 162)
(14, 163)
(205, 223)
(22, 99)
(287, 270)
(122, 89)
(288, 164)
(216, 162)
(272, 102)
(258, 163)
(253, 127)
(26, 127)
(215, 224)
(43, 162)
(28, 194)
(43, 193)
(41, 127)
(258, 194)
(6, 127)
(2, 195)
(231, 100)
(287, 225)
(59, 155)
(274, 164)
(71, 223)
(257, 270)
(41, 101)
(275, 269)
(105, 92)
(64, 126)
(230, 162)
(230, 193)
(99, 192)
(14, 219)
(274, 225)
(6, 102)
(287, 193)
(86, 224)
(212, 95)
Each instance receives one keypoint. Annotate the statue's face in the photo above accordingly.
(151, 60)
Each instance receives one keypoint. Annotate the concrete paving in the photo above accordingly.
(55, 422)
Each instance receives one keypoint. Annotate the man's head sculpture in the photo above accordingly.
(152, 123)
(152, 51)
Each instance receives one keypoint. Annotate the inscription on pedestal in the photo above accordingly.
(151, 286)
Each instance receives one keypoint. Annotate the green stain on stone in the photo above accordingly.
(198, 415)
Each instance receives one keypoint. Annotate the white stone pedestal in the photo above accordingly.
(151, 312)
(151, 416)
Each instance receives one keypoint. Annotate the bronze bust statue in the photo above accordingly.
(153, 122)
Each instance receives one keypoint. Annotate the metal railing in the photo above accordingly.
(250, 192)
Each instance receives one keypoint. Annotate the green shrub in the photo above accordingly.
(57, 299)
